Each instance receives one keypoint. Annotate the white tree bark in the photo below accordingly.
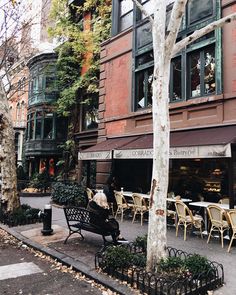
(9, 198)
(162, 48)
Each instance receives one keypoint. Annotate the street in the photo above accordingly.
(29, 272)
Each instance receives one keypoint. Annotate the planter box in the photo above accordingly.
(154, 284)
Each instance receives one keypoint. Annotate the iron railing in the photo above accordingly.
(154, 284)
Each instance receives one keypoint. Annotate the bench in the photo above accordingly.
(79, 219)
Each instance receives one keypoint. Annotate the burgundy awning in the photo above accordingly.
(199, 143)
(103, 150)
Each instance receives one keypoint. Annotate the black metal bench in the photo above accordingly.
(79, 219)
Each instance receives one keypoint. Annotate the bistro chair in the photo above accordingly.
(218, 220)
(232, 221)
(122, 204)
(186, 218)
(140, 206)
(224, 201)
(90, 193)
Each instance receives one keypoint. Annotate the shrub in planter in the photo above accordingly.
(141, 242)
(197, 264)
(139, 259)
(69, 194)
(22, 215)
(117, 257)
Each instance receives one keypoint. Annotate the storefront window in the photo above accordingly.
(199, 179)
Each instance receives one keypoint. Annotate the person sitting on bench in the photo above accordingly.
(99, 206)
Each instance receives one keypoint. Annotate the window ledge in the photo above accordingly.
(195, 101)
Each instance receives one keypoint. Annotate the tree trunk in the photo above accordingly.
(156, 247)
(10, 199)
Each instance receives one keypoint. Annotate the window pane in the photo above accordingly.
(49, 83)
(31, 132)
(144, 35)
(148, 7)
(90, 118)
(125, 6)
(47, 128)
(61, 128)
(177, 70)
(195, 65)
(209, 71)
(144, 88)
(144, 58)
(140, 90)
(199, 9)
(149, 86)
(38, 125)
(126, 21)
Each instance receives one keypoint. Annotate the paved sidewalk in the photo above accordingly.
(80, 254)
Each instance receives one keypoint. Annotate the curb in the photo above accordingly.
(77, 265)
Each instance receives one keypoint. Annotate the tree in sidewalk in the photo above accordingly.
(164, 48)
(15, 49)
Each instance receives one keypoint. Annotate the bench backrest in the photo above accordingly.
(77, 214)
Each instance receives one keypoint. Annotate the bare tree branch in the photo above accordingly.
(201, 32)
(143, 10)
(174, 24)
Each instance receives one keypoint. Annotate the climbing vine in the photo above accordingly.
(80, 30)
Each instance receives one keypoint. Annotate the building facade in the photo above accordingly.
(201, 103)
(46, 131)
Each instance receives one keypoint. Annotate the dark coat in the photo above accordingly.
(102, 218)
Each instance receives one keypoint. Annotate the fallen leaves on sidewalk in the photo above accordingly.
(7, 239)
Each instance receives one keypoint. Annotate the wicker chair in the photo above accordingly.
(140, 206)
(90, 193)
(186, 218)
(122, 204)
(232, 220)
(218, 220)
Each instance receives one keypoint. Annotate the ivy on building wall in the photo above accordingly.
(80, 37)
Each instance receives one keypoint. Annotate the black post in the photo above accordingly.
(47, 220)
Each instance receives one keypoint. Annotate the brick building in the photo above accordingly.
(202, 103)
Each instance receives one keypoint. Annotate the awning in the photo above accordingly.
(188, 144)
(104, 149)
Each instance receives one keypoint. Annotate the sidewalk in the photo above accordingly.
(80, 254)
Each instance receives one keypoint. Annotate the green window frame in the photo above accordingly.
(198, 14)
(122, 15)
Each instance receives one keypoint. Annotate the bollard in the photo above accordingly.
(47, 220)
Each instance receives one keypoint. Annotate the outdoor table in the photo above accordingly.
(182, 199)
(129, 194)
(204, 205)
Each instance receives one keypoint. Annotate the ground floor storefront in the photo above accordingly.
(202, 162)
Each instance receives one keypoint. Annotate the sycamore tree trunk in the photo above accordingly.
(9, 195)
(157, 213)
(163, 44)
